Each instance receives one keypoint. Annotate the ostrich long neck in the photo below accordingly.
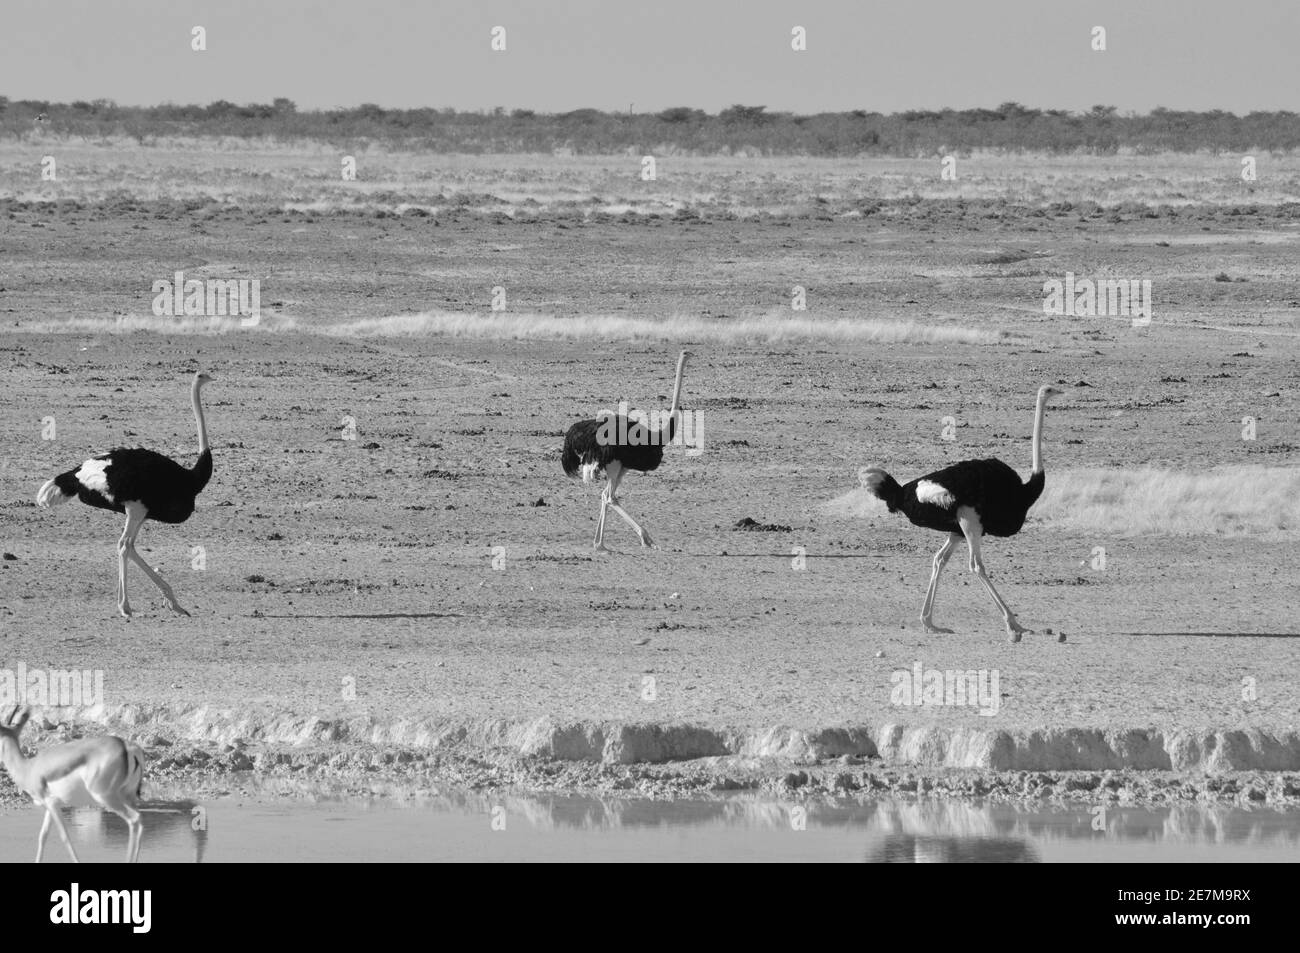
(670, 429)
(1038, 433)
(198, 417)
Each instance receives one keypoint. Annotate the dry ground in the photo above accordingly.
(373, 559)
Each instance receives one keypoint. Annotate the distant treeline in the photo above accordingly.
(750, 129)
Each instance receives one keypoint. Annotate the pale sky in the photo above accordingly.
(879, 55)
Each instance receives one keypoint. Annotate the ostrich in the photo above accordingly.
(143, 485)
(968, 500)
(615, 444)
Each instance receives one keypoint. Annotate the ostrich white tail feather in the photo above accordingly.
(49, 495)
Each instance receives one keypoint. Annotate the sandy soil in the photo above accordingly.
(334, 564)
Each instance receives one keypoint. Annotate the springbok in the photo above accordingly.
(104, 772)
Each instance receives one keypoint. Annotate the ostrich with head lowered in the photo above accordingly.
(142, 484)
(968, 500)
(615, 444)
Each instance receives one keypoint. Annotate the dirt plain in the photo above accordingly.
(421, 604)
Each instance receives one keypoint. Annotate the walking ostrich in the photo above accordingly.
(968, 500)
(615, 445)
(143, 485)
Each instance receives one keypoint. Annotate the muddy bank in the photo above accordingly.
(620, 743)
(201, 752)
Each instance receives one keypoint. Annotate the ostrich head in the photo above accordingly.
(1047, 390)
(201, 378)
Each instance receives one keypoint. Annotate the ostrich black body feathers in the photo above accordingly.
(600, 442)
(131, 475)
(989, 487)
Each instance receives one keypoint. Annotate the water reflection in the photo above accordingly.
(922, 818)
(748, 826)
(927, 830)
(909, 849)
(167, 823)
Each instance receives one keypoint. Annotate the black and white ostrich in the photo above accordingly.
(968, 500)
(143, 485)
(614, 445)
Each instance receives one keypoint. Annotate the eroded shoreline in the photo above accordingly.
(201, 753)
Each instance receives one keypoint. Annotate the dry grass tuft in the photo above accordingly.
(765, 329)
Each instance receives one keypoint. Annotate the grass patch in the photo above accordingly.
(765, 329)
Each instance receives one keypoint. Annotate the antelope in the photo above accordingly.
(104, 772)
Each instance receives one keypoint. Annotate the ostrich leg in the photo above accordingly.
(971, 528)
(139, 560)
(600, 522)
(135, 514)
(614, 479)
(940, 560)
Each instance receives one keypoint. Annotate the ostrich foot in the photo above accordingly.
(646, 541)
(600, 548)
(1015, 630)
(176, 608)
(125, 609)
(937, 630)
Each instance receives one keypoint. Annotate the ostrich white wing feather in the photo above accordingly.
(928, 491)
(91, 475)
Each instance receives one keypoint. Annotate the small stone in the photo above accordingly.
(880, 655)
(843, 782)
(1061, 637)
(10, 557)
